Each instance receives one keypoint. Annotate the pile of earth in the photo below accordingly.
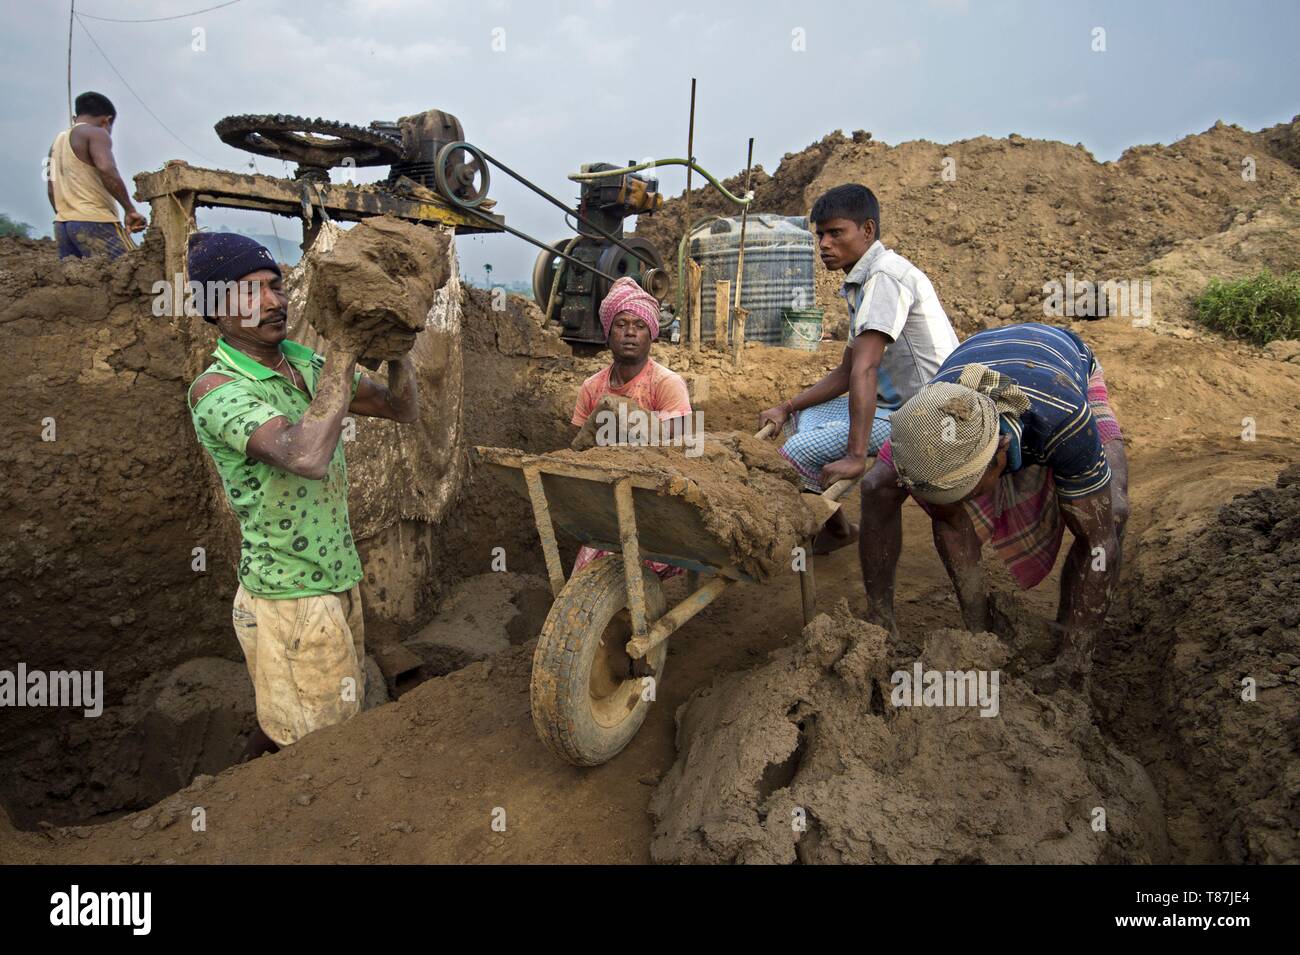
(747, 495)
(1200, 679)
(807, 758)
(992, 220)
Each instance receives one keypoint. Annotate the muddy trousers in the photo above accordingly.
(305, 658)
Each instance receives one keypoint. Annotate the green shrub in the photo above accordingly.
(1259, 309)
(9, 226)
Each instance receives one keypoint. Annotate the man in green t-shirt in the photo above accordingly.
(270, 413)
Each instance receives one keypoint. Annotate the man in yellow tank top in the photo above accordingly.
(84, 186)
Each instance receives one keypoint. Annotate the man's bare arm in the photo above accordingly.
(868, 352)
(49, 182)
(304, 448)
(398, 400)
(100, 146)
(831, 385)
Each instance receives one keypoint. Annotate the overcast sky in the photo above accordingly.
(547, 86)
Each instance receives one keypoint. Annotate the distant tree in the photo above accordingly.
(10, 227)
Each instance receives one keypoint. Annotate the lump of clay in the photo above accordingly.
(807, 758)
(376, 284)
(748, 496)
(633, 418)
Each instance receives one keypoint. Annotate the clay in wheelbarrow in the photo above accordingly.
(747, 494)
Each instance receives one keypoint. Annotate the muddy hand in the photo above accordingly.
(845, 469)
(776, 417)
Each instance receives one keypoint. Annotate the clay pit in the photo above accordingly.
(118, 555)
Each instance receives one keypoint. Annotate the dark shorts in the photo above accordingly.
(80, 240)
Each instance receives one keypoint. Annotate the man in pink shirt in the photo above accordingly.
(630, 317)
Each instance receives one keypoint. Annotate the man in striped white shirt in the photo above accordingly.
(899, 335)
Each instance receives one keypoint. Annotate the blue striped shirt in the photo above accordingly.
(1052, 366)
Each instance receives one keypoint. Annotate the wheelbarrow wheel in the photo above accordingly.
(588, 696)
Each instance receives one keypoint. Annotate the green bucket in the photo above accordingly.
(801, 328)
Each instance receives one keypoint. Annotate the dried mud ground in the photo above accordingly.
(422, 779)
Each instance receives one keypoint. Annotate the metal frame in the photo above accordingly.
(176, 190)
(645, 635)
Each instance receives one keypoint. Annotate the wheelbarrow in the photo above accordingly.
(601, 653)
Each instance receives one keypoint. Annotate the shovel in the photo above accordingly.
(824, 505)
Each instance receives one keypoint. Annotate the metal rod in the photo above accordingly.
(673, 619)
(808, 585)
(744, 218)
(690, 154)
(738, 331)
(541, 245)
(72, 12)
(631, 556)
(573, 212)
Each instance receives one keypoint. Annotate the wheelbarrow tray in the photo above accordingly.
(581, 500)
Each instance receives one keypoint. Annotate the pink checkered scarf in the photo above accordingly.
(626, 295)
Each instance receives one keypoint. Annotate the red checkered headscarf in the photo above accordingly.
(626, 295)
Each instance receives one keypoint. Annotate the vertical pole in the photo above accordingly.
(694, 303)
(631, 557)
(738, 335)
(808, 585)
(721, 308)
(72, 12)
(690, 157)
(173, 213)
(545, 529)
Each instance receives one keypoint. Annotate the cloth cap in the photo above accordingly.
(626, 295)
(225, 257)
(945, 436)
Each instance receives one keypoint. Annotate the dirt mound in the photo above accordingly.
(992, 220)
(375, 283)
(747, 494)
(1264, 238)
(103, 505)
(1206, 646)
(807, 759)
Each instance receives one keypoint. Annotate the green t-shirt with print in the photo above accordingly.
(297, 541)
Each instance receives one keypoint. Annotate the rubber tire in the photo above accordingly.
(562, 663)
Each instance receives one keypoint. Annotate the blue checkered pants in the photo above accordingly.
(819, 435)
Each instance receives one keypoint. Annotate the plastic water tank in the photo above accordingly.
(778, 270)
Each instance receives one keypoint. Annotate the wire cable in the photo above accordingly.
(179, 16)
(137, 95)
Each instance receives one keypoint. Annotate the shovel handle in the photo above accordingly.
(836, 490)
(766, 430)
